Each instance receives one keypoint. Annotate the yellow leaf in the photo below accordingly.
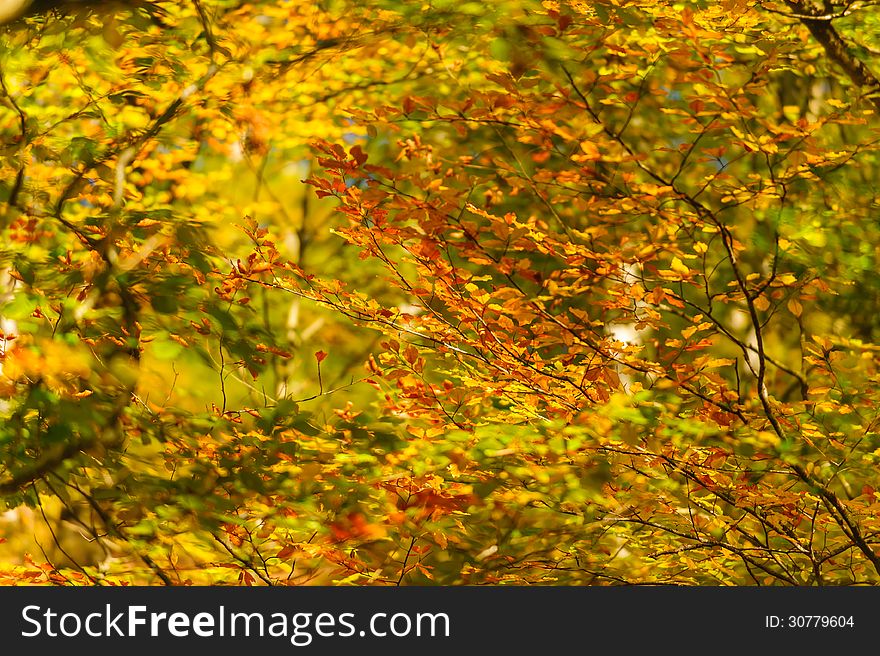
(795, 307)
(767, 438)
(679, 267)
(590, 149)
(762, 303)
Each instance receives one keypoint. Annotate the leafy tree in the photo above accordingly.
(573, 293)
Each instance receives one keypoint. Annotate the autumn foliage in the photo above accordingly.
(464, 293)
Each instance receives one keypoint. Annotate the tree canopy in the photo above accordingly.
(377, 292)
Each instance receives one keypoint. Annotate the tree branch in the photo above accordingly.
(836, 49)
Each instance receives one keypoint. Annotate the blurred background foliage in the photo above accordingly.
(210, 375)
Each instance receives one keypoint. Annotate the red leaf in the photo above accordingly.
(319, 356)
